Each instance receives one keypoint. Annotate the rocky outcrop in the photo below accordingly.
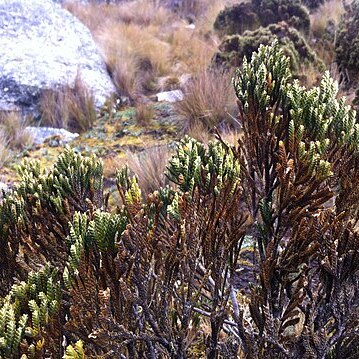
(45, 47)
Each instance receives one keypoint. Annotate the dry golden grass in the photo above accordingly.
(13, 130)
(199, 132)
(191, 52)
(13, 135)
(309, 75)
(140, 12)
(5, 154)
(329, 11)
(142, 41)
(133, 56)
(192, 8)
(230, 136)
(112, 164)
(209, 99)
(144, 114)
(205, 22)
(149, 167)
(70, 107)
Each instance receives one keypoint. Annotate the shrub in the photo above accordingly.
(356, 102)
(252, 15)
(313, 4)
(237, 19)
(347, 43)
(234, 48)
(290, 11)
(167, 274)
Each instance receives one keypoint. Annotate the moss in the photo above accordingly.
(250, 16)
(347, 42)
(235, 47)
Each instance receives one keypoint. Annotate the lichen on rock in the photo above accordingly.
(45, 47)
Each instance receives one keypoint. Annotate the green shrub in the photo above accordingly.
(234, 48)
(347, 43)
(313, 4)
(168, 275)
(237, 19)
(252, 15)
(290, 11)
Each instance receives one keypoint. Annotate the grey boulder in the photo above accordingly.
(42, 134)
(43, 46)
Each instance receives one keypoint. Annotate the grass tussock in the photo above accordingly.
(191, 8)
(134, 57)
(209, 100)
(190, 51)
(5, 153)
(142, 40)
(144, 114)
(329, 12)
(199, 132)
(13, 131)
(140, 12)
(149, 167)
(13, 135)
(72, 108)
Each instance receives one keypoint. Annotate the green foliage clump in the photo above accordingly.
(322, 116)
(250, 16)
(356, 102)
(37, 211)
(237, 19)
(103, 231)
(75, 352)
(290, 11)
(30, 306)
(313, 4)
(347, 43)
(194, 165)
(234, 48)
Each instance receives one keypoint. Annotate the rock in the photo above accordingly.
(54, 136)
(190, 26)
(3, 187)
(170, 96)
(45, 47)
